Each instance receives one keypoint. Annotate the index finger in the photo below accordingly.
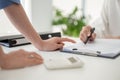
(67, 40)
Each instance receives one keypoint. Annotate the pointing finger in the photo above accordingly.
(68, 40)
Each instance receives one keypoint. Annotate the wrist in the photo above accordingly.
(40, 45)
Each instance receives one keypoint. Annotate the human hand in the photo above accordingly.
(19, 59)
(55, 43)
(85, 33)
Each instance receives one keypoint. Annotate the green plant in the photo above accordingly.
(73, 24)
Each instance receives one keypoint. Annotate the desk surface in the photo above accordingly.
(94, 68)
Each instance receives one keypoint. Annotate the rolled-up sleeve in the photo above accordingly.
(5, 3)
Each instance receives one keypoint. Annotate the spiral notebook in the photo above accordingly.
(107, 48)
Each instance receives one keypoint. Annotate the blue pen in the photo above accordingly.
(91, 32)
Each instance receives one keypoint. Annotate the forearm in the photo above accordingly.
(1, 51)
(112, 37)
(18, 17)
(1, 55)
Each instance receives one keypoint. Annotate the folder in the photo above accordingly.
(18, 40)
(107, 48)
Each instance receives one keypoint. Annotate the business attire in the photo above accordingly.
(108, 24)
(5, 3)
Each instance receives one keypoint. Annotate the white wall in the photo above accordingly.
(41, 12)
(5, 25)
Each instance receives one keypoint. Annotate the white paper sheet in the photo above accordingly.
(104, 46)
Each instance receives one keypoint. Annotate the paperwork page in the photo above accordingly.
(101, 47)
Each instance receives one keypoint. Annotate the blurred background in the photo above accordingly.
(66, 16)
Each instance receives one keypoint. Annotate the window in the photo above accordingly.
(85, 8)
(92, 7)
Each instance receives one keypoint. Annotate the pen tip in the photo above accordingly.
(84, 43)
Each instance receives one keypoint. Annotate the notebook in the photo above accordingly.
(107, 48)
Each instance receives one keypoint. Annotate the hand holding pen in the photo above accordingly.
(87, 34)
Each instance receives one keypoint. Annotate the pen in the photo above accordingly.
(91, 32)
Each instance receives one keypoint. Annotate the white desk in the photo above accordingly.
(95, 68)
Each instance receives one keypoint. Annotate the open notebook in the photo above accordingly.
(108, 48)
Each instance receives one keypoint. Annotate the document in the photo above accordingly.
(108, 48)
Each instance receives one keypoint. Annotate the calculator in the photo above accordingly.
(63, 63)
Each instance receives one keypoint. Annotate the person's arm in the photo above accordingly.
(18, 59)
(18, 17)
(1, 55)
(1, 52)
(100, 24)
